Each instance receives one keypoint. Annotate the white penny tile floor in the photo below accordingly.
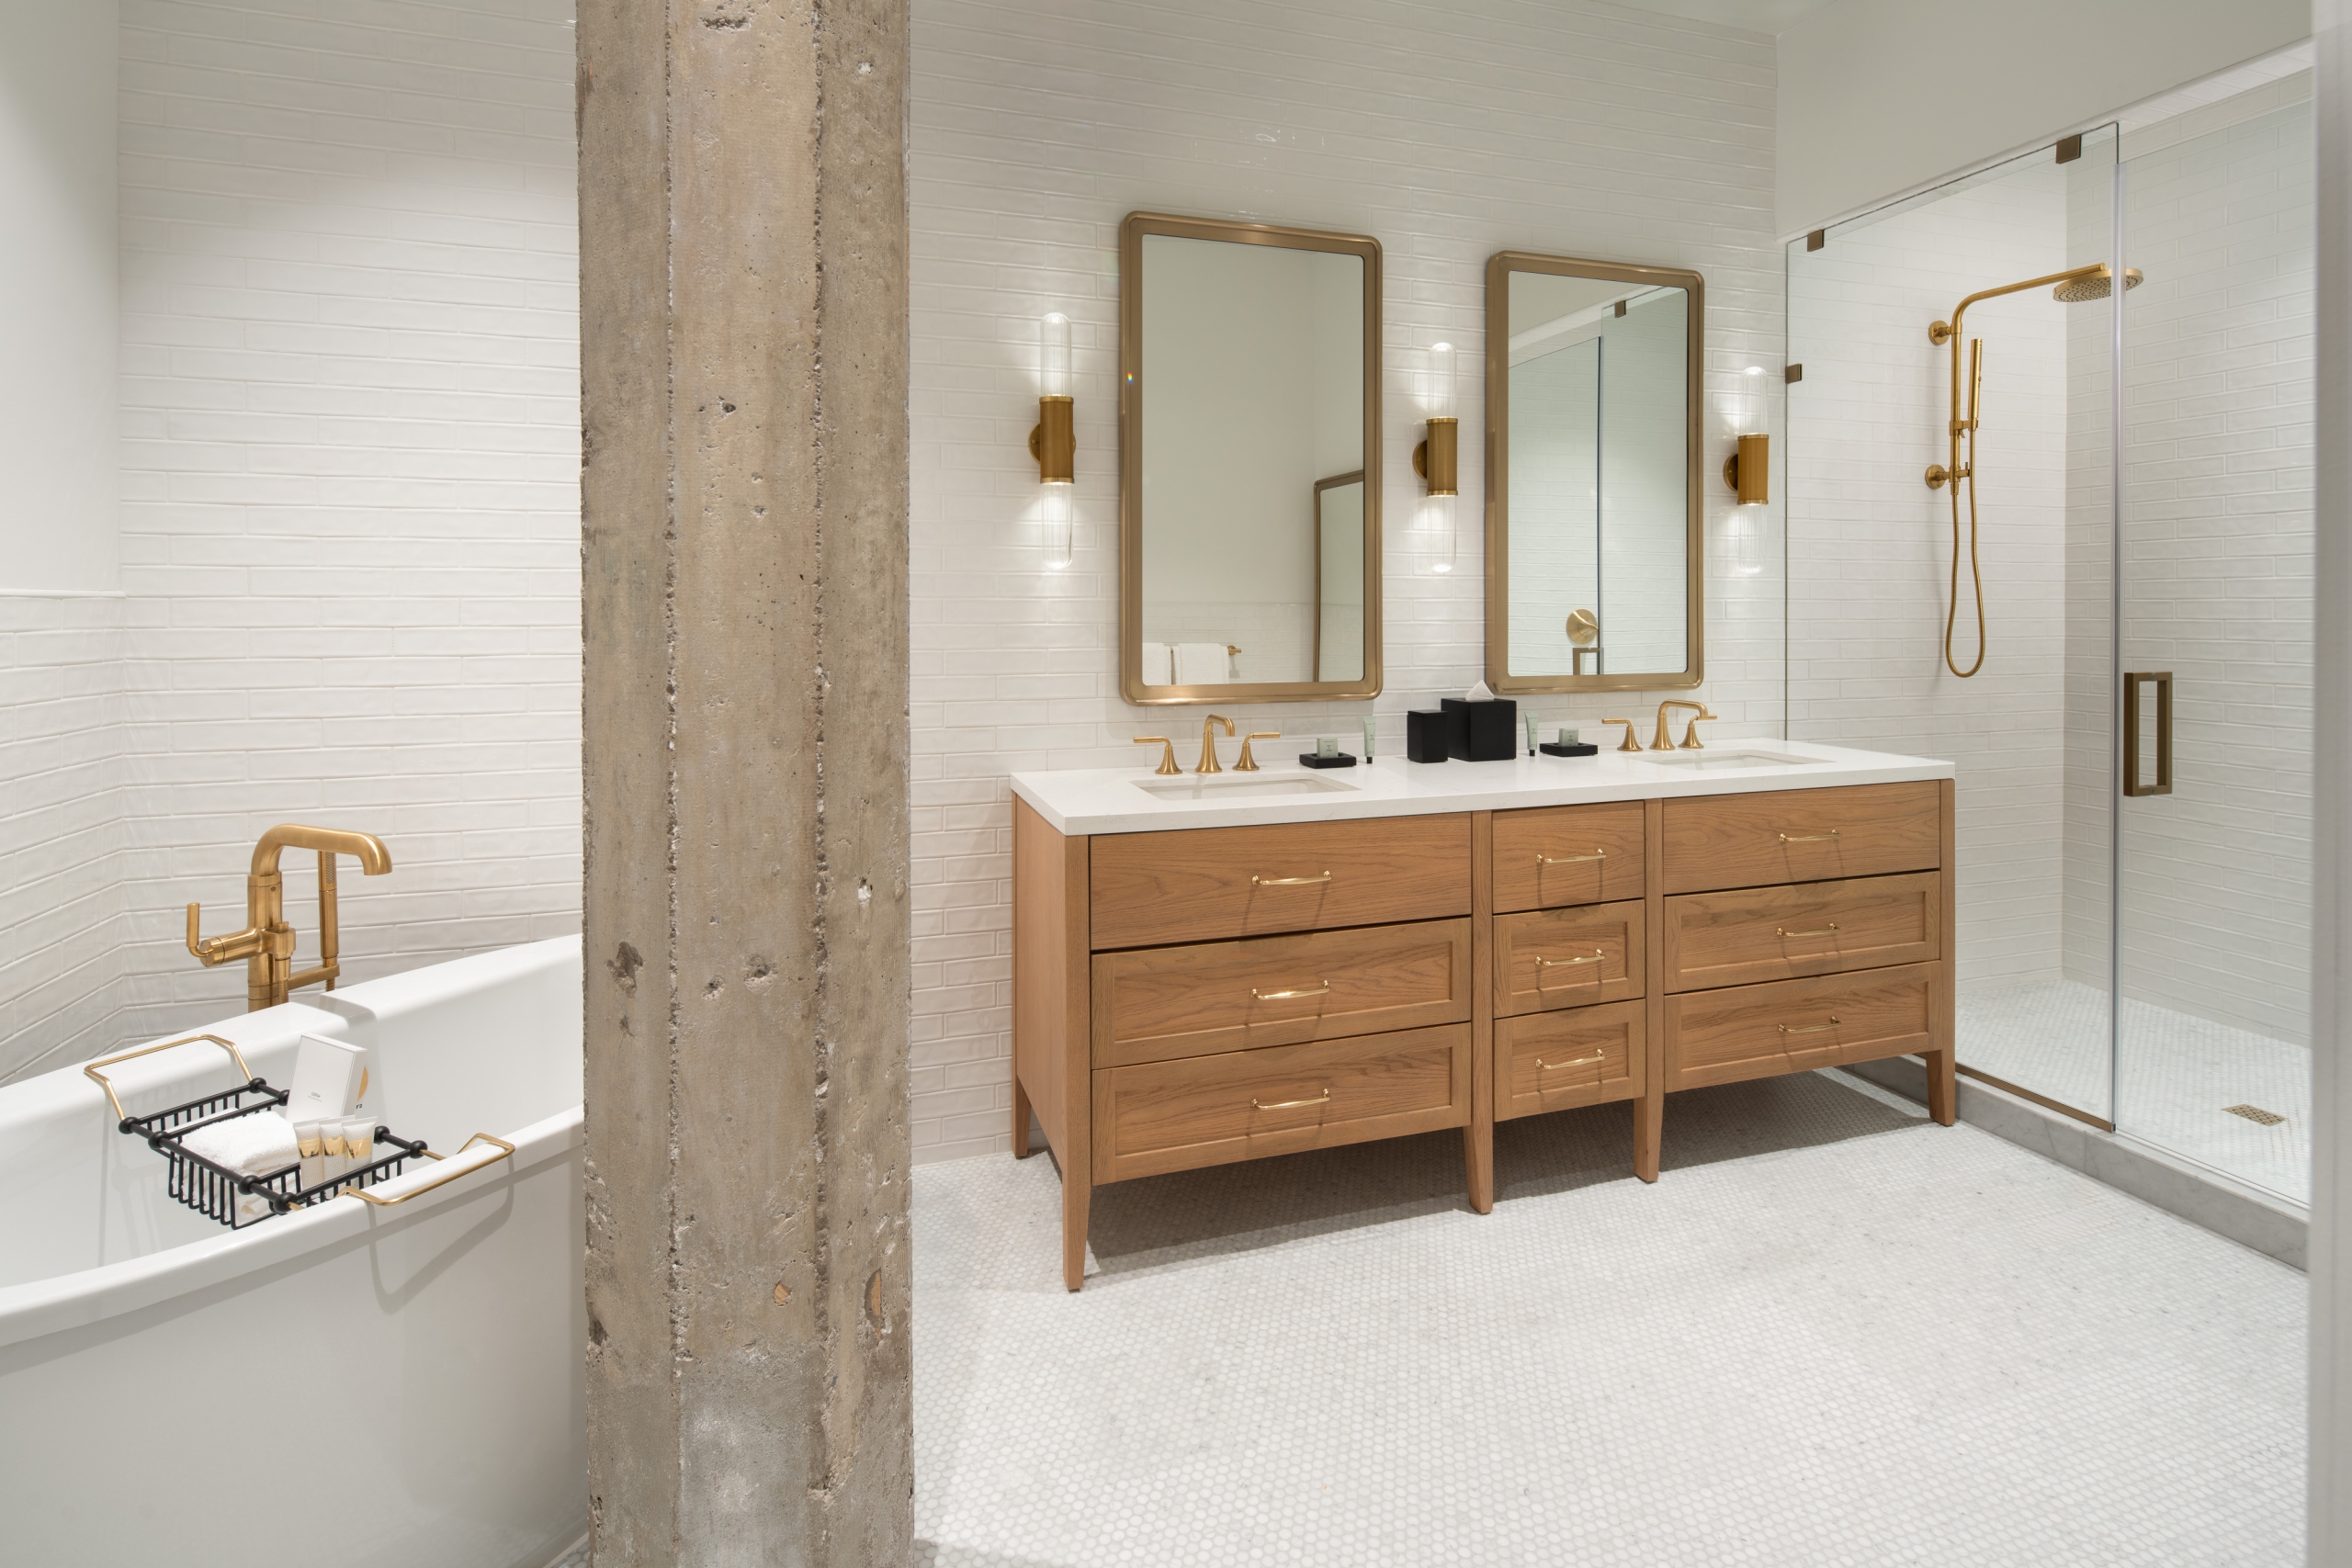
(1833, 1334)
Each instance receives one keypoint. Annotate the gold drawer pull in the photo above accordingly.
(1256, 881)
(1543, 859)
(1578, 1062)
(1806, 1028)
(1544, 963)
(1323, 1099)
(1825, 931)
(1322, 991)
(1810, 837)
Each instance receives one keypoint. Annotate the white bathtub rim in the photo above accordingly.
(41, 1307)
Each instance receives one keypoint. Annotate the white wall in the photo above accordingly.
(1879, 96)
(56, 276)
(350, 535)
(1448, 134)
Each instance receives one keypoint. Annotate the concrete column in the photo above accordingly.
(743, 372)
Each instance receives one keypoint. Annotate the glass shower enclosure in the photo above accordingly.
(2098, 605)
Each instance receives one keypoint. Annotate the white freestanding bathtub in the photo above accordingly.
(349, 1384)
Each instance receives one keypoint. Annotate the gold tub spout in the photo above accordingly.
(266, 945)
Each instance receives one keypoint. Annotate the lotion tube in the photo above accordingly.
(312, 1141)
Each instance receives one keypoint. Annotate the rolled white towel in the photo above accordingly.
(1202, 664)
(258, 1145)
(1159, 665)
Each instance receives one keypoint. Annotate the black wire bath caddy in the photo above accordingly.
(214, 1191)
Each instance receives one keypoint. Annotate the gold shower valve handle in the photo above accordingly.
(1936, 475)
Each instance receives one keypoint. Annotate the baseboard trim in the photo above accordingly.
(2248, 1216)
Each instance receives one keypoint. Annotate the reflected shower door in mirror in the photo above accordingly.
(1250, 541)
(1593, 560)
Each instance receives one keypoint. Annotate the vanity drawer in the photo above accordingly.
(1246, 1104)
(1803, 834)
(1567, 854)
(1793, 1026)
(1211, 884)
(1556, 1061)
(1569, 958)
(1155, 1004)
(1752, 934)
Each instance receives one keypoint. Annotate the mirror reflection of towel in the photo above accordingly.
(1159, 665)
(1201, 664)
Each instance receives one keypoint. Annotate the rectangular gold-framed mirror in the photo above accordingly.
(1594, 545)
(1248, 425)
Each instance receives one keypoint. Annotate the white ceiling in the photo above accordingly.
(1774, 16)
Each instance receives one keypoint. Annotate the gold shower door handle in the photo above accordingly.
(2133, 681)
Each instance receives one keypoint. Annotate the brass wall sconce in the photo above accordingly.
(1748, 471)
(1438, 457)
(1053, 442)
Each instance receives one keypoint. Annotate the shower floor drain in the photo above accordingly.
(2255, 1114)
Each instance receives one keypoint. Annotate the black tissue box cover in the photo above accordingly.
(1428, 734)
(1485, 732)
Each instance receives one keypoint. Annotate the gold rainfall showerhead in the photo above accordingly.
(2098, 286)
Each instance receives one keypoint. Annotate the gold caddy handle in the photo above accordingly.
(1543, 859)
(1809, 837)
(1573, 1062)
(1828, 930)
(504, 1149)
(1323, 1099)
(1322, 991)
(1806, 1028)
(103, 1082)
(1257, 881)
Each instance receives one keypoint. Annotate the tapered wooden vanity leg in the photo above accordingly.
(1479, 1137)
(1078, 1194)
(1943, 1087)
(1649, 1130)
(1020, 1119)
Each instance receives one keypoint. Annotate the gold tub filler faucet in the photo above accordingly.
(266, 945)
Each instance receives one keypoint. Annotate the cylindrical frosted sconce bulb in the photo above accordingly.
(1057, 514)
(1053, 354)
(1440, 509)
(1441, 380)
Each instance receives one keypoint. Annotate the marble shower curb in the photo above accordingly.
(2269, 1225)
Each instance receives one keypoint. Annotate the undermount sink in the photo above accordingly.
(1240, 786)
(1712, 761)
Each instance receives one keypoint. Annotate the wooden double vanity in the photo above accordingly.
(1266, 967)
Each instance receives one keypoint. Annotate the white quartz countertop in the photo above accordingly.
(1123, 800)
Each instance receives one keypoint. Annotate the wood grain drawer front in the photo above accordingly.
(1802, 835)
(1155, 1004)
(1569, 958)
(1246, 1104)
(1211, 884)
(1753, 935)
(1792, 1026)
(1557, 1061)
(1567, 854)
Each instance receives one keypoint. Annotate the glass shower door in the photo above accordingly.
(2213, 886)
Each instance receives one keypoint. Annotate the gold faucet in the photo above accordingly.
(266, 945)
(1631, 744)
(1248, 764)
(1663, 740)
(1167, 758)
(1209, 742)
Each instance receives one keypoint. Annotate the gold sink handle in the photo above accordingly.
(1167, 758)
(1248, 764)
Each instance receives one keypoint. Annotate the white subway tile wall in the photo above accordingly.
(60, 830)
(350, 535)
(1448, 134)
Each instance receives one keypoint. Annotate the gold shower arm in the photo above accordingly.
(1944, 332)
